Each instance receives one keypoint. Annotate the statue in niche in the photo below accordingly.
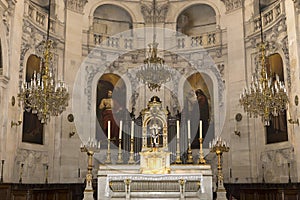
(155, 132)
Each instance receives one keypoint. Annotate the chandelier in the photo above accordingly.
(154, 72)
(43, 95)
(266, 95)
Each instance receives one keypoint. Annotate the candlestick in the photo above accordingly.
(120, 159)
(132, 129)
(200, 129)
(177, 122)
(120, 130)
(108, 131)
(189, 129)
(131, 157)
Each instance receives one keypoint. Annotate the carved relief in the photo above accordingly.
(76, 5)
(275, 164)
(160, 11)
(32, 162)
(232, 4)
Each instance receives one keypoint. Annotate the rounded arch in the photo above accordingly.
(196, 19)
(91, 7)
(219, 9)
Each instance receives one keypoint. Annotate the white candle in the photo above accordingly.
(120, 130)
(189, 129)
(200, 129)
(132, 129)
(108, 130)
(177, 129)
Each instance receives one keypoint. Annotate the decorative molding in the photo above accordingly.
(232, 5)
(160, 12)
(76, 5)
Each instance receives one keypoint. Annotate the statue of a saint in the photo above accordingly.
(155, 134)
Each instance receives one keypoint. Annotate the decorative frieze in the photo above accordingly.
(161, 10)
(233, 4)
(76, 5)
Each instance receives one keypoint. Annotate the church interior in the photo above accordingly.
(149, 99)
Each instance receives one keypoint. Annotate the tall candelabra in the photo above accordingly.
(90, 148)
(219, 146)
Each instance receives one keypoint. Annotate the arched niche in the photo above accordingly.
(278, 130)
(109, 19)
(114, 83)
(196, 19)
(33, 129)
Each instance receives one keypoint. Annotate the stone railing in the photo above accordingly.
(38, 17)
(204, 40)
(112, 41)
(269, 17)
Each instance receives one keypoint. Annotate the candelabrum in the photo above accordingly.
(90, 148)
(178, 160)
(218, 146)
(108, 154)
(131, 157)
(120, 159)
(189, 153)
(201, 160)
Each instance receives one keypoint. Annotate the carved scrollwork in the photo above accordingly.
(160, 11)
(232, 4)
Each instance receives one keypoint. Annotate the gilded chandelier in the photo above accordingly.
(42, 95)
(266, 95)
(154, 72)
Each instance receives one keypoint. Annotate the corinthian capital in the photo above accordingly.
(76, 5)
(161, 9)
(232, 4)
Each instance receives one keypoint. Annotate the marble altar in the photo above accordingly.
(154, 177)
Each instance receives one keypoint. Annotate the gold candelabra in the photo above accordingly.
(131, 157)
(90, 148)
(189, 153)
(43, 95)
(108, 153)
(178, 160)
(266, 95)
(120, 159)
(201, 160)
(219, 146)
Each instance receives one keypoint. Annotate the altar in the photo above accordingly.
(126, 182)
(153, 176)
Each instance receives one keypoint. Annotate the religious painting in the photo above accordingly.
(111, 104)
(32, 126)
(277, 130)
(197, 106)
